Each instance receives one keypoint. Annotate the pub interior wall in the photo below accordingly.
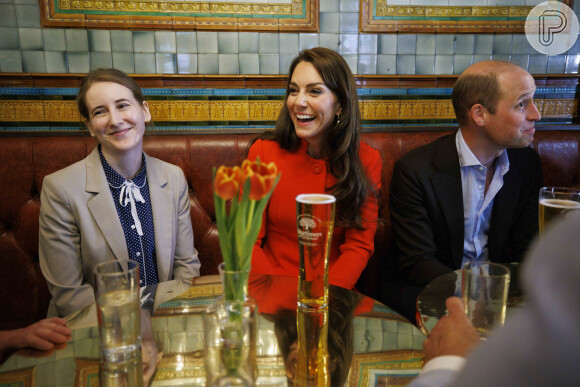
(27, 47)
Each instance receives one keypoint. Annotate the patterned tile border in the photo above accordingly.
(272, 15)
(33, 102)
(53, 111)
(379, 16)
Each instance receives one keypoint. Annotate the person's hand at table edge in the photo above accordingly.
(453, 334)
(42, 335)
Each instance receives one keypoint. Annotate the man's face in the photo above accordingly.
(512, 124)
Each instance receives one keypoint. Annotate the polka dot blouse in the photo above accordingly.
(133, 203)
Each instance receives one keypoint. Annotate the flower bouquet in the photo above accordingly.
(230, 324)
(250, 186)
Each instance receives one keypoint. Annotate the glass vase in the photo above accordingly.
(230, 332)
(234, 283)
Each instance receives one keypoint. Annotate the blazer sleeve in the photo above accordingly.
(412, 226)
(186, 263)
(60, 252)
(358, 245)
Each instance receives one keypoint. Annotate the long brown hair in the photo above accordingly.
(341, 141)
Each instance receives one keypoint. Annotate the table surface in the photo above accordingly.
(431, 300)
(386, 347)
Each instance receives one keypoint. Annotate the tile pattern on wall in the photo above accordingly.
(27, 47)
(256, 101)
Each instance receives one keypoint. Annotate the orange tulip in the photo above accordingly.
(262, 177)
(227, 182)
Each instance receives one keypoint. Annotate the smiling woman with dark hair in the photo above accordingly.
(118, 203)
(316, 146)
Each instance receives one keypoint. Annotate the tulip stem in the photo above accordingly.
(250, 214)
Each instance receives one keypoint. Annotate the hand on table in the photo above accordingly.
(151, 358)
(150, 354)
(453, 334)
(43, 335)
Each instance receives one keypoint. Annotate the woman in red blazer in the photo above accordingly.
(316, 146)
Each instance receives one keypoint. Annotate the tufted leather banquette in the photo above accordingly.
(25, 160)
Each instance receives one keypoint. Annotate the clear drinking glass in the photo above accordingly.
(315, 223)
(556, 201)
(485, 287)
(117, 295)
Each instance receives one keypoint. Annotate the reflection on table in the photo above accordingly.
(381, 346)
(431, 300)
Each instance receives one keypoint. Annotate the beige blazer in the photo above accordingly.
(79, 227)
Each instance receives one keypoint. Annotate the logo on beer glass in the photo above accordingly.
(306, 233)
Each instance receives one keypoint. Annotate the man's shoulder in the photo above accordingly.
(425, 152)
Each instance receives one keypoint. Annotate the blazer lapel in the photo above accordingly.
(448, 190)
(504, 205)
(163, 218)
(103, 208)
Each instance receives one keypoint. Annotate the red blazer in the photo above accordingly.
(276, 249)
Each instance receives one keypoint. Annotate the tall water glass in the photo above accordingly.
(555, 202)
(315, 223)
(484, 289)
(117, 295)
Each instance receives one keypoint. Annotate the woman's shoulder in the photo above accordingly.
(265, 149)
(72, 173)
(159, 166)
(368, 154)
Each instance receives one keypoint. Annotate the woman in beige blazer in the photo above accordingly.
(117, 203)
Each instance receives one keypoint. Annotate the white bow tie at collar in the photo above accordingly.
(129, 194)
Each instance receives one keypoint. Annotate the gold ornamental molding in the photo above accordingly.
(393, 368)
(290, 9)
(232, 111)
(243, 15)
(378, 16)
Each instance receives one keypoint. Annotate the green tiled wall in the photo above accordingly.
(26, 47)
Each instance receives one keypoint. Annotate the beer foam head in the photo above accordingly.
(315, 198)
(560, 203)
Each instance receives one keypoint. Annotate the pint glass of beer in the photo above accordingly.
(315, 222)
(555, 202)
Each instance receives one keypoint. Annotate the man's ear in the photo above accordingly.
(478, 113)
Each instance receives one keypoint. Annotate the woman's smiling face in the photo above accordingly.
(116, 118)
(312, 106)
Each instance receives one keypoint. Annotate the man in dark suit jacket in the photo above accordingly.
(471, 195)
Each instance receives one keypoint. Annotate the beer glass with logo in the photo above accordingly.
(315, 223)
(117, 295)
(555, 202)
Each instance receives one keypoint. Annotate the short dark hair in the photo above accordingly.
(105, 75)
(474, 89)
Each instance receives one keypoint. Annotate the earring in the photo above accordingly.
(337, 119)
